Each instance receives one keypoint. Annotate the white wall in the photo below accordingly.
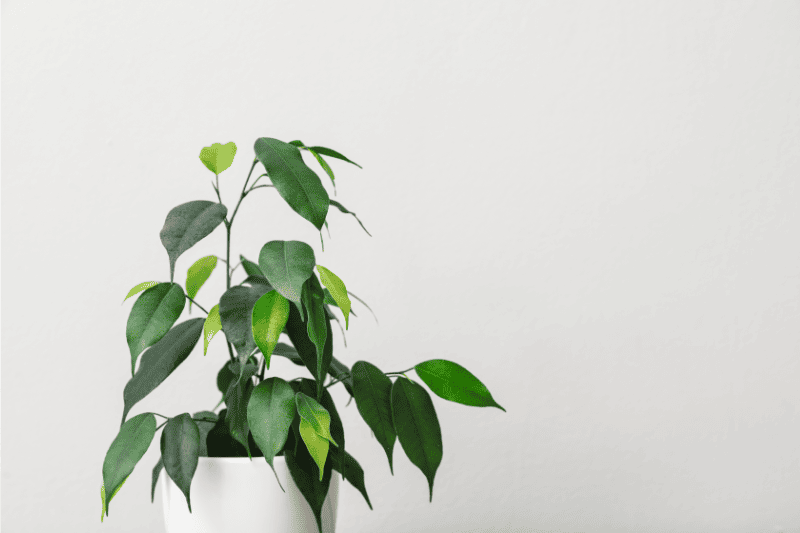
(593, 206)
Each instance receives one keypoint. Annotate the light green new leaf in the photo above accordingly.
(197, 275)
(270, 314)
(317, 446)
(211, 327)
(180, 446)
(325, 167)
(270, 412)
(315, 415)
(188, 224)
(153, 313)
(218, 157)
(139, 288)
(287, 265)
(453, 382)
(331, 153)
(337, 290)
(128, 448)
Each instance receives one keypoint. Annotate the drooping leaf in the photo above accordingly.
(270, 412)
(331, 153)
(156, 471)
(287, 351)
(339, 370)
(305, 473)
(315, 415)
(317, 325)
(364, 304)
(103, 497)
(139, 288)
(270, 314)
(325, 167)
(287, 265)
(180, 447)
(330, 301)
(316, 445)
(197, 275)
(218, 157)
(453, 382)
(154, 312)
(128, 448)
(204, 426)
(251, 268)
(236, 400)
(297, 331)
(219, 441)
(307, 387)
(343, 209)
(236, 315)
(352, 471)
(160, 360)
(337, 290)
(417, 427)
(294, 181)
(211, 327)
(187, 224)
(373, 393)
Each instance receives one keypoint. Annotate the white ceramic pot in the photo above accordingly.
(236, 494)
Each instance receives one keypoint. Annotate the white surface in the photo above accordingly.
(593, 206)
(237, 494)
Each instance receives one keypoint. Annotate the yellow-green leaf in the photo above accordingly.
(270, 314)
(211, 326)
(139, 288)
(317, 445)
(337, 289)
(197, 275)
(315, 415)
(218, 157)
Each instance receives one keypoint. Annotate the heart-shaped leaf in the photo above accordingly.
(315, 415)
(128, 448)
(218, 157)
(236, 315)
(294, 181)
(154, 312)
(337, 290)
(417, 427)
(188, 224)
(197, 275)
(160, 360)
(180, 446)
(372, 390)
(354, 473)
(270, 314)
(343, 209)
(331, 153)
(139, 288)
(287, 265)
(211, 327)
(453, 382)
(269, 414)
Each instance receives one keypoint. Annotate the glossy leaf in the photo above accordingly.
(372, 390)
(297, 331)
(308, 387)
(270, 314)
(352, 471)
(139, 288)
(337, 290)
(219, 441)
(156, 471)
(343, 209)
(218, 157)
(250, 268)
(316, 445)
(287, 265)
(339, 370)
(211, 326)
(453, 382)
(270, 412)
(417, 427)
(236, 400)
(180, 447)
(331, 153)
(330, 301)
(128, 448)
(294, 181)
(236, 316)
(188, 224)
(154, 312)
(318, 323)
(287, 351)
(325, 166)
(103, 497)
(197, 275)
(204, 426)
(160, 360)
(315, 415)
(305, 473)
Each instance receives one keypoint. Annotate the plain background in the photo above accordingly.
(593, 206)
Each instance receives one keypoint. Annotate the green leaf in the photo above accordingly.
(317, 325)
(218, 157)
(324, 166)
(304, 472)
(453, 382)
(154, 312)
(295, 182)
(343, 209)
(270, 314)
(315, 415)
(373, 393)
(354, 473)
(204, 426)
(270, 412)
(287, 265)
(180, 446)
(317, 446)
(129, 446)
(160, 360)
(236, 399)
(103, 497)
(236, 315)
(330, 301)
(140, 287)
(339, 370)
(251, 268)
(417, 427)
(331, 153)
(337, 290)
(197, 275)
(287, 351)
(308, 387)
(156, 471)
(188, 224)
(211, 327)
(220, 443)
(297, 331)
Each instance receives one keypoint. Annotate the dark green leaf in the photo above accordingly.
(204, 426)
(236, 315)
(331, 153)
(219, 440)
(317, 325)
(129, 446)
(187, 224)
(343, 209)
(417, 427)
(156, 471)
(453, 382)
(355, 474)
(284, 350)
(154, 312)
(160, 360)
(287, 265)
(295, 182)
(236, 400)
(297, 331)
(339, 370)
(373, 393)
(305, 473)
(180, 446)
(270, 412)
(198, 274)
(251, 268)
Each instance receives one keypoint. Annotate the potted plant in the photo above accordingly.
(293, 425)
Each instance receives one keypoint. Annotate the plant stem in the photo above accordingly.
(195, 303)
(403, 372)
(337, 381)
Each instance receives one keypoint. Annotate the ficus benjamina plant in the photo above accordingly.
(285, 292)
